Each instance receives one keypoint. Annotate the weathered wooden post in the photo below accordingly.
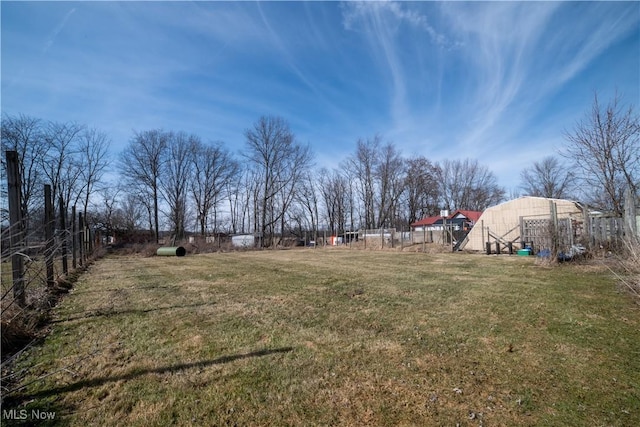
(63, 231)
(586, 227)
(393, 236)
(17, 233)
(554, 230)
(90, 239)
(630, 222)
(80, 239)
(74, 238)
(48, 233)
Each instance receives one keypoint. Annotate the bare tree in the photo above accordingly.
(465, 184)
(547, 178)
(421, 189)
(118, 212)
(69, 157)
(362, 166)
(24, 135)
(239, 191)
(514, 193)
(378, 174)
(106, 216)
(334, 189)
(132, 212)
(214, 170)
(175, 175)
(60, 163)
(277, 161)
(307, 199)
(141, 164)
(92, 153)
(292, 175)
(605, 149)
(390, 173)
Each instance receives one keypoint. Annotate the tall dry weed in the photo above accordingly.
(628, 266)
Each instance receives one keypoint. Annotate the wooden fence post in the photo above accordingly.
(90, 237)
(630, 225)
(48, 233)
(16, 224)
(523, 238)
(555, 244)
(80, 239)
(74, 238)
(63, 230)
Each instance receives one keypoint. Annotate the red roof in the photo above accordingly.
(426, 221)
(473, 216)
(470, 215)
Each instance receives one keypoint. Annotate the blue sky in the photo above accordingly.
(498, 82)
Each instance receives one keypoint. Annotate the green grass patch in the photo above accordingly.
(338, 337)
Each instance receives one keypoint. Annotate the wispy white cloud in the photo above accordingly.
(359, 13)
(285, 53)
(500, 43)
(590, 37)
(380, 22)
(490, 92)
(446, 80)
(519, 55)
(52, 36)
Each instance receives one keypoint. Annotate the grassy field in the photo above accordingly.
(337, 337)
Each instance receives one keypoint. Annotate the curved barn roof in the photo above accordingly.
(503, 220)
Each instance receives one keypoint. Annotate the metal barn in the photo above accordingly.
(517, 221)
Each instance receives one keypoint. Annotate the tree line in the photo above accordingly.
(172, 180)
(598, 164)
(70, 157)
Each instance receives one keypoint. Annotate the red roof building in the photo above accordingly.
(460, 215)
(430, 220)
(472, 216)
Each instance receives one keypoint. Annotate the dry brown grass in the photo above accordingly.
(338, 337)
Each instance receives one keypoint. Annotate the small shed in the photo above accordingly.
(504, 222)
(243, 241)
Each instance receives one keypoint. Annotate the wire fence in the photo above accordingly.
(33, 262)
(42, 253)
